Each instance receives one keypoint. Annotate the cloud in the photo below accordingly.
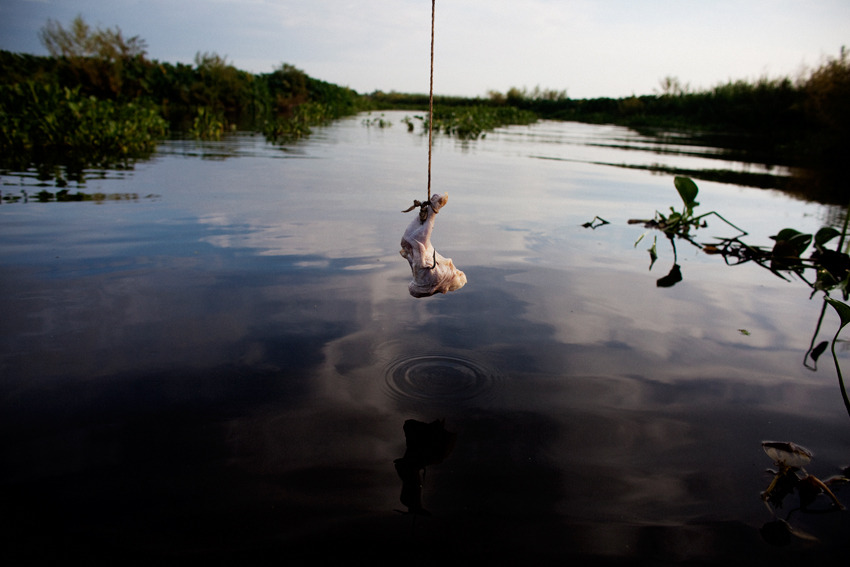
(613, 48)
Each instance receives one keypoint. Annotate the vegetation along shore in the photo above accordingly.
(98, 101)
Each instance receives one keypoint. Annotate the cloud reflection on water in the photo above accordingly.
(239, 352)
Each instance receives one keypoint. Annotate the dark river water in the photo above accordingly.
(215, 361)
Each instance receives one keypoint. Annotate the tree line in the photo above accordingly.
(97, 99)
(803, 122)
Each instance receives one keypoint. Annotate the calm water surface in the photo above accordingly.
(220, 367)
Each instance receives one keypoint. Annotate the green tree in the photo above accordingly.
(288, 87)
(221, 86)
(828, 103)
(79, 40)
(98, 59)
(672, 86)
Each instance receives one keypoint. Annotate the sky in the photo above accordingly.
(589, 48)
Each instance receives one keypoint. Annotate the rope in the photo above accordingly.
(431, 101)
(423, 207)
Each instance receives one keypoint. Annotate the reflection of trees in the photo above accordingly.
(63, 195)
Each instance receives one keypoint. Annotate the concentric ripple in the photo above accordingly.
(438, 380)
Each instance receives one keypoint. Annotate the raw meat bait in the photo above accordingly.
(432, 273)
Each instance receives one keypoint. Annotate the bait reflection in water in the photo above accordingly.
(427, 444)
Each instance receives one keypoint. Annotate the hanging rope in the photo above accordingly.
(431, 100)
(423, 207)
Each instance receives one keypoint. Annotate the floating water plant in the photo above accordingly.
(786, 256)
(680, 223)
(595, 223)
(832, 267)
(45, 123)
(377, 122)
(473, 122)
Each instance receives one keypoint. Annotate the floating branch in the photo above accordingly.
(595, 223)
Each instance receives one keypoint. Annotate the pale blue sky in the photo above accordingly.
(588, 47)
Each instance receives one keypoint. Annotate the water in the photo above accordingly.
(219, 366)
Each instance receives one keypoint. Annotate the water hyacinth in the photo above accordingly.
(40, 119)
(473, 122)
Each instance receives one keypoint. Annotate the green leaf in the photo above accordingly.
(687, 190)
(653, 253)
(786, 234)
(801, 242)
(842, 309)
(795, 241)
(824, 235)
(818, 350)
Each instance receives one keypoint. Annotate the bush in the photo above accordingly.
(42, 121)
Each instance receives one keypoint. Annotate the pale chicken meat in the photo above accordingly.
(432, 273)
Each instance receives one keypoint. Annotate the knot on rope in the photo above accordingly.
(423, 209)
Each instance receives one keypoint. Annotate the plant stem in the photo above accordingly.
(838, 371)
(844, 229)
